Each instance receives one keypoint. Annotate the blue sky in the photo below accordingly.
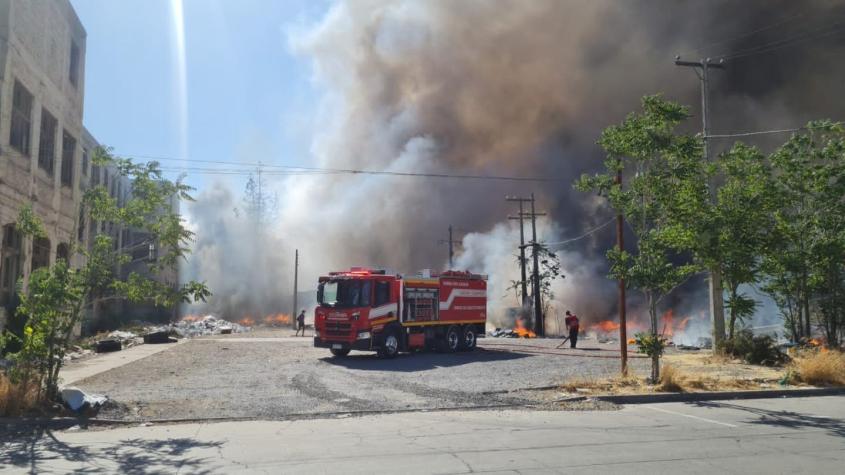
(249, 97)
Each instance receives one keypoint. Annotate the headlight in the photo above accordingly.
(363, 335)
(316, 334)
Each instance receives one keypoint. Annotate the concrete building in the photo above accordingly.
(42, 81)
(45, 151)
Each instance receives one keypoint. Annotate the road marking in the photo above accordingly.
(689, 415)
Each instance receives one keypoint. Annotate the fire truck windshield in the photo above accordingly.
(345, 293)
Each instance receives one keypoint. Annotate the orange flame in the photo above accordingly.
(278, 319)
(606, 326)
(246, 321)
(814, 342)
(521, 331)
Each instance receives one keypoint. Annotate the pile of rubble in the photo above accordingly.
(187, 328)
(502, 333)
(207, 325)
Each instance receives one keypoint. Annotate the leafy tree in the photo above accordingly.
(806, 264)
(668, 172)
(743, 215)
(55, 299)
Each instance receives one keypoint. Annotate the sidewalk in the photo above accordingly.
(79, 370)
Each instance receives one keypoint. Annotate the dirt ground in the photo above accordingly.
(268, 374)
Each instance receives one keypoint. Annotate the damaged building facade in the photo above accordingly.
(45, 151)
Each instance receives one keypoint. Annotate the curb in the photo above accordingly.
(719, 396)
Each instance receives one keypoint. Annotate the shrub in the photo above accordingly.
(671, 380)
(820, 368)
(758, 350)
(17, 398)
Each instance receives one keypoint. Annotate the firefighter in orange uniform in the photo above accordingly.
(571, 322)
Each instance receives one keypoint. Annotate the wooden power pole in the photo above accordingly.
(451, 243)
(539, 327)
(717, 307)
(522, 261)
(623, 324)
(295, 288)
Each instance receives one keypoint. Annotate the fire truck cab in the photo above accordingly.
(370, 310)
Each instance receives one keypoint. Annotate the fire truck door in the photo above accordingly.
(421, 305)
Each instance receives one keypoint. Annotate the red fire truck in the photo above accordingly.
(370, 310)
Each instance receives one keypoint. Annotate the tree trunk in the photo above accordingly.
(655, 358)
(807, 328)
(732, 322)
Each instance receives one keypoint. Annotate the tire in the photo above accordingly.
(390, 345)
(340, 353)
(468, 339)
(451, 340)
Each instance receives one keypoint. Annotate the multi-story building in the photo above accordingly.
(42, 80)
(45, 151)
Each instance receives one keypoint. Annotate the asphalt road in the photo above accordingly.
(801, 435)
(263, 376)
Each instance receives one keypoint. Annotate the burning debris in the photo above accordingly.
(677, 331)
(518, 331)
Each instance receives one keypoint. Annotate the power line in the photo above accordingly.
(591, 231)
(783, 43)
(297, 170)
(744, 35)
(762, 132)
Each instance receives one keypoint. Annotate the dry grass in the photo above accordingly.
(17, 398)
(671, 380)
(820, 368)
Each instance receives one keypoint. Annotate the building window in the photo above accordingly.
(80, 228)
(95, 175)
(40, 253)
(10, 263)
(68, 150)
(85, 161)
(62, 251)
(19, 136)
(73, 74)
(47, 144)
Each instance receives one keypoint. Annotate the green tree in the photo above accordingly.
(805, 264)
(55, 299)
(668, 172)
(743, 219)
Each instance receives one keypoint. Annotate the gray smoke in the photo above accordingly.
(514, 87)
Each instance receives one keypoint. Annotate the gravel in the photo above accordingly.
(272, 376)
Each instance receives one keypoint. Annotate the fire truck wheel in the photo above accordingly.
(452, 340)
(469, 339)
(343, 352)
(390, 346)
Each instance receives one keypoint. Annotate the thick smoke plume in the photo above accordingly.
(508, 87)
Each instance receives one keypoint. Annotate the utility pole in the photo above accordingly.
(450, 241)
(539, 324)
(539, 328)
(524, 281)
(623, 324)
(717, 308)
(295, 287)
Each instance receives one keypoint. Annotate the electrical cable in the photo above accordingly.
(591, 231)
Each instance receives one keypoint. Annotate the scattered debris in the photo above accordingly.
(156, 337)
(687, 347)
(207, 325)
(78, 401)
(108, 346)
